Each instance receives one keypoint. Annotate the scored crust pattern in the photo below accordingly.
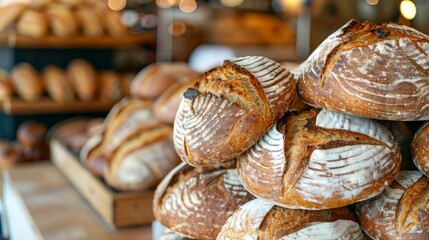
(320, 159)
(371, 71)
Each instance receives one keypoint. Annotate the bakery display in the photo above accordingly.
(320, 159)
(196, 202)
(32, 23)
(355, 70)
(154, 79)
(27, 82)
(231, 108)
(263, 220)
(420, 149)
(6, 86)
(400, 212)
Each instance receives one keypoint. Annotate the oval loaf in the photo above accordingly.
(420, 149)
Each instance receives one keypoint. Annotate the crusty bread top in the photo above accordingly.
(370, 71)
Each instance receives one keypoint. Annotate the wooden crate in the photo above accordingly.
(117, 209)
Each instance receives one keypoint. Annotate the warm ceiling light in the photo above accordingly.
(165, 3)
(372, 2)
(408, 9)
(231, 3)
(117, 5)
(187, 6)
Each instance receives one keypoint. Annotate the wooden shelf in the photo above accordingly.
(46, 106)
(12, 40)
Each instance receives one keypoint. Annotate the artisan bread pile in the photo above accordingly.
(133, 150)
(328, 172)
(61, 18)
(79, 81)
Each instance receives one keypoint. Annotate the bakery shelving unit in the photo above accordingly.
(99, 51)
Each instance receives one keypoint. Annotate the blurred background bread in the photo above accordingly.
(57, 84)
(27, 82)
(83, 78)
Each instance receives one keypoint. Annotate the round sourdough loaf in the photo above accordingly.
(262, 220)
(231, 108)
(370, 71)
(142, 159)
(400, 212)
(165, 107)
(320, 159)
(196, 202)
(420, 149)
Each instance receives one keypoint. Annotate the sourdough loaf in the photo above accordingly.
(262, 220)
(373, 71)
(231, 108)
(91, 155)
(154, 79)
(27, 82)
(320, 159)
(400, 212)
(420, 149)
(57, 84)
(165, 107)
(142, 159)
(171, 235)
(9, 15)
(32, 137)
(110, 85)
(196, 202)
(61, 20)
(89, 21)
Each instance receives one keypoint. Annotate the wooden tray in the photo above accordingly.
(12, 40)
(15, 106)
(117, 209)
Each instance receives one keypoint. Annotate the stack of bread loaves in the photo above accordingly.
(133, 150)
(306, 167)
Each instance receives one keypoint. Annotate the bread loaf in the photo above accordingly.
(6, 86)
(31, 136)
(91, 155)
(126, 116)
(370, 71)
(112, 23)
(61, 20)
(32, 23)
(9, 15)
(420, 149)
(57, 84)
(27, 82)
(143, 159)
(154, 79)
(83, 78)
(110, 86)
(89, 21)
(262, 220)
(320, 159)
(165, 107)
(400, 212)
(196, 202)
(231, 109)
(10, 154)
